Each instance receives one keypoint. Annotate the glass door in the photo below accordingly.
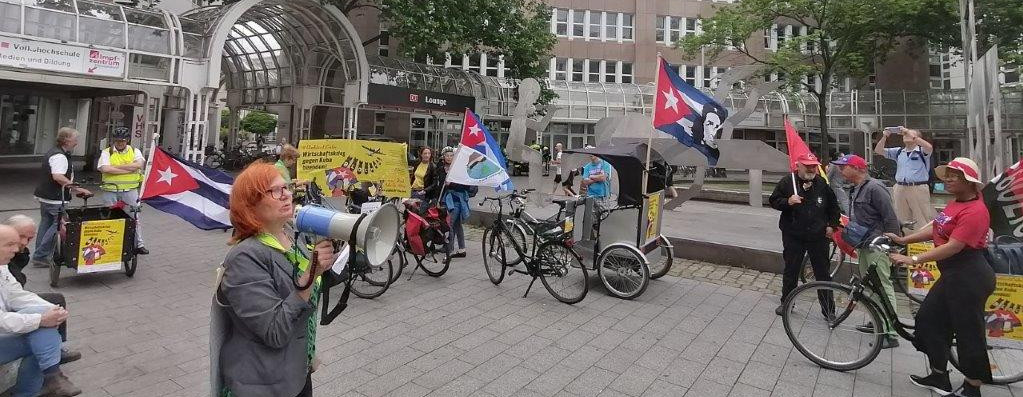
(18, 124)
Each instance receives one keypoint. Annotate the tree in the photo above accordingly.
(259, 122)
(519, 30)
(845, 38)
(998, 22)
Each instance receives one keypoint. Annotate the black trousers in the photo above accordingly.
(794, 249)
(955, 307)
(307, 391)
(57, 299)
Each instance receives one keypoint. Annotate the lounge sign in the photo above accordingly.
(20, 53)
(388, 95)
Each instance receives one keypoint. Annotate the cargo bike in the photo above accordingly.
(94, 239)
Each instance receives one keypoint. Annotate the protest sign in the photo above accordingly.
(337, 165)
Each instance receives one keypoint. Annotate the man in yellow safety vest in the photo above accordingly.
(122, 167)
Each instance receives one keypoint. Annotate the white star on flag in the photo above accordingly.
(166, 176)
(671, 101)
(474, 130)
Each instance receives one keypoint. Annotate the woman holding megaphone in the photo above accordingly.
(268, 341)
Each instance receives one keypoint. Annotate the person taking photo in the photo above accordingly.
(912, 174)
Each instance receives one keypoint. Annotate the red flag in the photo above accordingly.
(795, 144)
(167, 176)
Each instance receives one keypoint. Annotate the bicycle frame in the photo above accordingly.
(872, 283)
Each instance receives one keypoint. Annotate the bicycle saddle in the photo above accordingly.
(84, 196)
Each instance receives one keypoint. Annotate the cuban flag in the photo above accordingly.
(478, 160)
(686, 113)
(195, 193)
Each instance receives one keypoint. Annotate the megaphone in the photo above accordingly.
(372, 235)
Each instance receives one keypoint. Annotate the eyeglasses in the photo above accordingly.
(277, 193)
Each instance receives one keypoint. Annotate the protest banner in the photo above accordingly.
(101, 245)
(921, 276)
(1005, 308)
(337, 165)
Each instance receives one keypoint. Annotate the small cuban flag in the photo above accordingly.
(197, 194)
(686, 113)
(478, 160)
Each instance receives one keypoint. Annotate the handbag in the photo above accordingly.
(1005, 255)
(855, 234)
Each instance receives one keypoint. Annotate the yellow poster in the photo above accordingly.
(336, 165)
(653, 212)
(100, 246)
(921, 277)
(1005, 308)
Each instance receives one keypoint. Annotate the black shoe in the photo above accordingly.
(458, 255)
(142, 251)
(890, 342)
(967, 390)
(780, 309)
(867, 328)
(67, 356)
(935, 382)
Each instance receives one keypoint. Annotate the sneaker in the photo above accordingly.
(458, 255)
(935, 382)
(779, 310)
(867, 328)
(967, 390)
(142, 251)
(67, 355)
(890, 342)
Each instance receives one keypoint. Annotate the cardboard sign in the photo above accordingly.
(101, 245)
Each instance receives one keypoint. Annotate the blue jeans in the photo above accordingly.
(457, 232)
(47, 232)
(130, 198)
(39, 350)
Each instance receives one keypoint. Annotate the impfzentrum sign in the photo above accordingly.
(20, 53)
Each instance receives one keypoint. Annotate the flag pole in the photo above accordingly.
(650, 137)
(791, 172)
(149, 166)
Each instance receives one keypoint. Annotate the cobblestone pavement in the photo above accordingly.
(695, 335)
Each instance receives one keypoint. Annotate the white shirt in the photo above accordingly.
(104, 157)
(14, 298)
(557, 167)
(58, 165)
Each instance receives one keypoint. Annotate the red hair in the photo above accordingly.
(246, 194)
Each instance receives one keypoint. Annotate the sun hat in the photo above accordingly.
(968, 167)
(851, 160)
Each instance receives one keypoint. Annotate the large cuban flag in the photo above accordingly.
(687, 114)
(478, 160)
(195, 193)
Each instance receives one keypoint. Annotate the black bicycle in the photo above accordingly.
(551, 258)
(838, 326)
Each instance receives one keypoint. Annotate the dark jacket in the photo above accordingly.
(871, 206)
(48, 188)
(809, 219)
(18, 264)
(264, 353)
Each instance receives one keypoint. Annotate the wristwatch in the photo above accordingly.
(916, 259)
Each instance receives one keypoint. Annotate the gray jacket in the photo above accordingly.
(872, 207)
(264, 348)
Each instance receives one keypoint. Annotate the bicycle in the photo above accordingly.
(551, 258)
(818, 313)
(70, 223)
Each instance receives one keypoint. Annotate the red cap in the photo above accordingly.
(851, 160)
(807, 159)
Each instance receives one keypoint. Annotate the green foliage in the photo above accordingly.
(517, 29)
(259, 123)
(998, 22)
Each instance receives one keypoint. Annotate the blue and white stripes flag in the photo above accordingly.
(191, 191)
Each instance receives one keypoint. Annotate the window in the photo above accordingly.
(560, 21)
(688, 74)
(559, 69)
(577, 70)
(384, 45)
(691, 26)
(627, 26)
(611, 71)
(660, 34)
(674, 29)
(578, 23)
(456, 61)
(473, 63)
(611, 26)
(594, 71)
(594, 25)
(626, 71)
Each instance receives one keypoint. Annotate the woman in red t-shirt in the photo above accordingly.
(955, 304)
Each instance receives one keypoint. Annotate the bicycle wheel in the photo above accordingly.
(1006, 357)
(662, 264)
(437, 259)
(398, 254)
(516, 233)
(821, 319)
(131, 265)
(623, 271)
(562, 272)
(900, 280)
(494, 254)
(371, 281)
